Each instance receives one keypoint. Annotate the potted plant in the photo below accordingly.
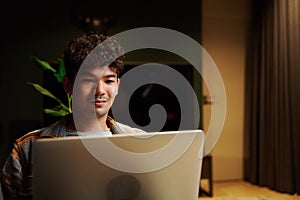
(60, 109)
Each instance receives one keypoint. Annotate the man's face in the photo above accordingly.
(95, 90)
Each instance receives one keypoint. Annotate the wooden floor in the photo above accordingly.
(241, 190)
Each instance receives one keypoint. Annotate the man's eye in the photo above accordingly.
(110, 81)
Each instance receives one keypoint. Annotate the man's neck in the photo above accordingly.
(87, 125)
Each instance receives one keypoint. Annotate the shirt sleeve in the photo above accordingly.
(16, 176)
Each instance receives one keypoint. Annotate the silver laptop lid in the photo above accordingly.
(161, 165)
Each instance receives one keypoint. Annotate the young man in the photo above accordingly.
(93, 64)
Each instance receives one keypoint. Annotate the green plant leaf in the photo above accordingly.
(64, 108)
(44, 91)
(42, 64)
(61, 109)
(69, 96)
(61, 71)
(58, 111)
(55, 113)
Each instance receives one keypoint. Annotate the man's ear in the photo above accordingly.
(67, 84)
(118, 82)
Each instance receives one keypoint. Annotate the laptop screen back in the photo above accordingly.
(162, 165)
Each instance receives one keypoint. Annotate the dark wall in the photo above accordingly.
(27, 28)
(43, 28)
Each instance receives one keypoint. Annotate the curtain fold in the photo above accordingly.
(272, 98)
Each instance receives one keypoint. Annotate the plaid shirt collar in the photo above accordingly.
(58, 129)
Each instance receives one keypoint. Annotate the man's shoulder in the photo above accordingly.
(38, 133)
(30, 136)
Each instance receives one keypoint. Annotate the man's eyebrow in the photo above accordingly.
(86, 73)
(110, 76)
(94, 75)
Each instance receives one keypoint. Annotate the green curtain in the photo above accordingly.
(272, 98)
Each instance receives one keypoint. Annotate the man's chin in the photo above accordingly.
(101, 113)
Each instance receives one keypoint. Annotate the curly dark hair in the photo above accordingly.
(79, 48)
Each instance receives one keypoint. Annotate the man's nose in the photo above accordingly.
(100, 88)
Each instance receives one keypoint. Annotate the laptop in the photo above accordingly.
(145, 166)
